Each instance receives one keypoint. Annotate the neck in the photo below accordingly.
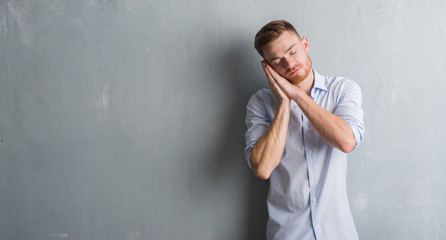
(307, 84)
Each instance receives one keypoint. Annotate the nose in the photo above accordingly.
(287, 63)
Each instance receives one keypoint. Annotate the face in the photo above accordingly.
(288, 56)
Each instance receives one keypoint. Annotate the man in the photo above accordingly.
(299, 133)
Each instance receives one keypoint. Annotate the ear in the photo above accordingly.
(304, 41)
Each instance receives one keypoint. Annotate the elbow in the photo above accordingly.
(261, 170)
(262, 167)
(262, 173)
(348, 146)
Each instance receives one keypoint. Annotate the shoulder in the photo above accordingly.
(340, 83)
(263, 95)
(340, 86)
(262, 100)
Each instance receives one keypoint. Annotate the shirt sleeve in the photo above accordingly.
(349, 108)
(257, 123)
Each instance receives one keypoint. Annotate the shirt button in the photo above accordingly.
(307, 128)
(311, 151)
(314, 200)
(312, 176)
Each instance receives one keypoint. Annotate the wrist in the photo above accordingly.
(285, 104)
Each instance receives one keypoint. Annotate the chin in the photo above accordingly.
(296, 80)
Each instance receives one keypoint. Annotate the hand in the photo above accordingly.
(333, 129)
(282, 83)
(277, 91)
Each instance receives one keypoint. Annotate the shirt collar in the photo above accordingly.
(319, 81)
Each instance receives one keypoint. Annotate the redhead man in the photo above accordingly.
(299, 133)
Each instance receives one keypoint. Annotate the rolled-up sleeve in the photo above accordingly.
(349, 108)
(257, 123)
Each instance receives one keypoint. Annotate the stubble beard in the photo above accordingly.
(300, 78)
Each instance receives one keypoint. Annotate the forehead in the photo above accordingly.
(281, 45)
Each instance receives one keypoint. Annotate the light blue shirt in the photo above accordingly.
(307, 198)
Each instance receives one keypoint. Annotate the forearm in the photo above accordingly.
(333, 129)
(267, 153)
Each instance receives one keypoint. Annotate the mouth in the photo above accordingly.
(295, 71)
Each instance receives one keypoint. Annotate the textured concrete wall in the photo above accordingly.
(125, 119)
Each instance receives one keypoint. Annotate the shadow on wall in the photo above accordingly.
(244, 78)
(238, 77)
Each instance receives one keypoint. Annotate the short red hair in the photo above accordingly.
(271, 32)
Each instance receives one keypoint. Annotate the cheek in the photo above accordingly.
(296, 60)
(302, 60)
(282, 71)
(308, 60)
(278, 68)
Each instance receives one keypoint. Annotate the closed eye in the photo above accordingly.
(276, 61)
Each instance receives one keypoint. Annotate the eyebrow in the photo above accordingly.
(274, 58)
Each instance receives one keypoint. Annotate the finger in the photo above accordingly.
(268, 74)
(275, 82)
(273, 73)
(272, 81)
(281, 81)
